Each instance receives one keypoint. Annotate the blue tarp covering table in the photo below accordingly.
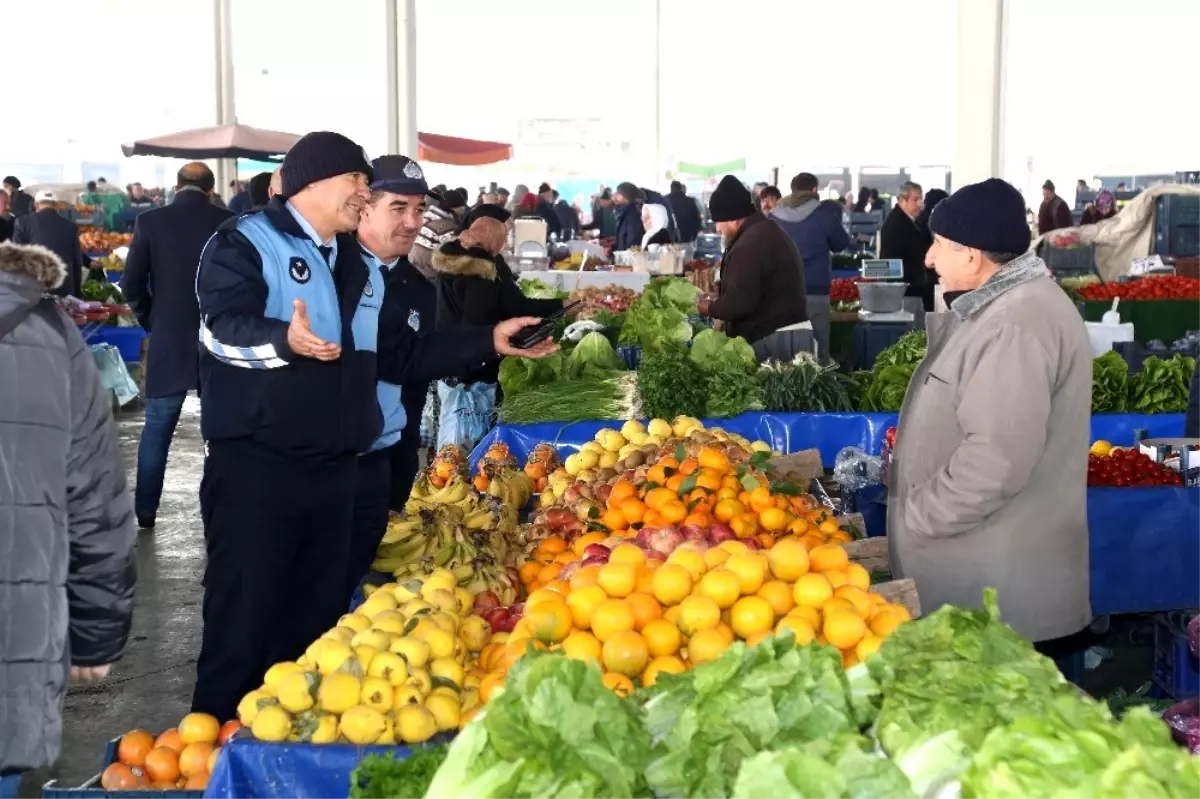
(248, 769)
(792, 432)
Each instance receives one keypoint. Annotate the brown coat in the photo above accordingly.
(989, 482)
(762, 282)
(1054, 215)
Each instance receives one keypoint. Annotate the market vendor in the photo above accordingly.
(288, 372)
(989, 476)
(410, 352)
(762, 279)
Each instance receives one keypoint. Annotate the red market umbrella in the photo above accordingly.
(223, 141)
(460, 152)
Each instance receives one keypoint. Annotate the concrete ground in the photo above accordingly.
(151, 687)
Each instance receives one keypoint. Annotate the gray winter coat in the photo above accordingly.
(66, 518)
(989, 482)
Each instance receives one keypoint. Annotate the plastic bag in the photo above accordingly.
(467, 413)
(854, 469)
(114, 376)
(577, 330)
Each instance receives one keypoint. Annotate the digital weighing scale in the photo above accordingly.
(884, 270)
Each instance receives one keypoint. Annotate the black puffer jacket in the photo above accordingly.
(66, 518)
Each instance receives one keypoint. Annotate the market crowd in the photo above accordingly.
(328, 299)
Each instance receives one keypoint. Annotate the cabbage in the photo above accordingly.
(594, 356)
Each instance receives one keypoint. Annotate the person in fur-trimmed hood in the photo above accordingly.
(66, 517)
(476, 286)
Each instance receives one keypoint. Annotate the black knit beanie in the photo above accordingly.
(732, 200)
(320, 155)
(987, 216)
(629, 191)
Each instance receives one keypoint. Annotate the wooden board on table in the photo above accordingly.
(854, 522)
(871, 553)
(799, 467)
(901, 592)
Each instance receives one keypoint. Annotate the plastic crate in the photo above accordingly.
(1176, 669)
(1070, 261)
(1177, 225)
(127, 340)
(91, 788)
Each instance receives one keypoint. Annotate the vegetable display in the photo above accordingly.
(891, 373)
(1169, 287)
(1161, 386)
(805, 386)
(1110, 388)
(101, 291)
(573, 401)
(659, 316)
(843, 294)
(1128, 467)
(379, 777)
(612, 299)
(730, 367)
(538, 289)
(671, 384)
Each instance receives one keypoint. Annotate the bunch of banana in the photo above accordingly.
(512, 487)
(425, 493)
(491, 576)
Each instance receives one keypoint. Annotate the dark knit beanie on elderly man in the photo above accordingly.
(988, 216)
(320, 155)
(731, 200)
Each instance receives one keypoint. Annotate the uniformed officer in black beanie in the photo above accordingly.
(288, 367)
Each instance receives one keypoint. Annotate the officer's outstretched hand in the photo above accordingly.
(303, 341)
(509, 328)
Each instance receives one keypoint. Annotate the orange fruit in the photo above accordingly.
(706, 645)
(617, 579)
(838, 603)
(625, 653)
(750, 571)
(529, 571)
(836, 577)
(761, 499)
(120, 777)
(714, 459)
(515, 648)
(645, 577)
(708, 481)
(885, 621)
(671, 614)
(162, 764)
(675, 483)
(801, 629)
(619, 684)
(612, 616)
(767, 540)
(581, 645)
(653, 519)
(585, 576)
(857, 597)
(489, 684)
(627, 553)
(868, 646)
(553, 545)
(549, 621)
(688, 466)
(614, 520)
(773, 519)
(197, 782)
(689, 559)
(621, 490)
(559, 586)
(857, 576)
(134, 747)
(788, 560)
(778, 595)
(698, 612)
(673, 512)
(633, 510)
(798, 527)
(645, 609)
(228, 729)
(715, 558)
(583, 602)
(662, 637)
(724, 629)
(587, 539)
(722, 586)
(549, 572)
(665, 664)
(809, 614)
(197, 728)
(656, 497)
(194, 759)
(170, 739)
(671, 583)
(844, 629)
(812, 590)
(828, 557)
(750, 616)
(727, 509)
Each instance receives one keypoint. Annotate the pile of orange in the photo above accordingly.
(181, 758)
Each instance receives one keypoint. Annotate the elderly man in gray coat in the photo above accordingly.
(989, 483)
(66, 517)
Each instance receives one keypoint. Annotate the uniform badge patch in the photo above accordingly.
(298, 269)
(413, 170)
(368, 290)
(414, 320)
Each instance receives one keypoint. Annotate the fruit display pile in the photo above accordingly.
(843, 293)
(611, 299)
(93, 240)
(1113, 466)
(1170, 287)
(182, 758)
(658, 547)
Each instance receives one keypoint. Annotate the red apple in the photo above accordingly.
(485, 601)
(665, 539)
(516, 609)
(496, 617)
(596, 551)
(594, 561)
(602, 493)
(693, 532)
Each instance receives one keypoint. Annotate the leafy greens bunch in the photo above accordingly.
(705, 722)
(659, 317)
(730, 366)
(1161, 386)
(380, 777)
(1109, 383)
(891, 373)
(841, 767)
(804, 385)
(555, 731)
(671, 384)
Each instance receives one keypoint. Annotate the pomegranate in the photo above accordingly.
(596, 551)
(496, 618)
(692, 532)
(486, 601)
(594, 561)
(665, 539)
(720, 531)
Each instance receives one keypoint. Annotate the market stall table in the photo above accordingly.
(1165, 320)
(570, 280)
